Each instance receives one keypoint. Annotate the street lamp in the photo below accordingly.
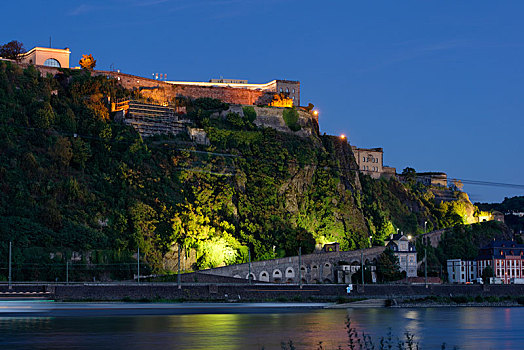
(407, 259)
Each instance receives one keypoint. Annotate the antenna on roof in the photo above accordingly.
(50, 41)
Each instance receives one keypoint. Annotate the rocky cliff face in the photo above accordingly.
(317, 183)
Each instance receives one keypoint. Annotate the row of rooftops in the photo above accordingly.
(500, 250)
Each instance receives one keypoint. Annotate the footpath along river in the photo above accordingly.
(251, 326)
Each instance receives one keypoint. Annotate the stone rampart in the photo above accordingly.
(433, 238)
(162, 91)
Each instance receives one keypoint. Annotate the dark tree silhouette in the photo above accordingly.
(13, 50)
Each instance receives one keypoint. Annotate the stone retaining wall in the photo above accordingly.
(265, 292)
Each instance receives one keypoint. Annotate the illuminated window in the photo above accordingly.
(287, 89)
(293, 90)
(281, 90)
(51, 62)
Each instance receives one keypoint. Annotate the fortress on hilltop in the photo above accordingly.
(230, 91)
(161, 116)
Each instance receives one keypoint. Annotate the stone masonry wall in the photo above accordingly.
(273, 118)
(162, 91)
(264, 292)
(315, 268)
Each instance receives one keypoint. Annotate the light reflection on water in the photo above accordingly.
(467, 328)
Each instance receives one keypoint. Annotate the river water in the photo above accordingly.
(252, 327)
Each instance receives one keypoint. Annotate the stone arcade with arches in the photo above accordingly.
(320, 267)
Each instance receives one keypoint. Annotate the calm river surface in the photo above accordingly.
(251, 327)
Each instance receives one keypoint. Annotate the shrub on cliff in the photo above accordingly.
(210, 104)
(249, 113)
(290, 116)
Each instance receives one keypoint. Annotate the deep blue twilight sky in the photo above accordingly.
(437, 84)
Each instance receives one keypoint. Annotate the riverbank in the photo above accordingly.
(230, 292)
(87, 309)
(458, 301)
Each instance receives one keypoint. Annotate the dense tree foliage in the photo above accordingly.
(462, 242)
(388, 268)
(73, 180)
(512, 208)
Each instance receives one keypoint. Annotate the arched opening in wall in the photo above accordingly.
(314, 270)
(327, 280)
(327, 269)
(290, 273)
(277, 276)
(264, 276)
(51, 62)
(252, 276)
(303, 269)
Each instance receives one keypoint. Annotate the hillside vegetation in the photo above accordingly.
(73, 180)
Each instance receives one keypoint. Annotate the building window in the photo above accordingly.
(281, 90)
(287, 90)
(293, 90)
(51, 62)
(363, 159)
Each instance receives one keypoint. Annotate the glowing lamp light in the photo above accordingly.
(342, 136)
(315, 113)
(409, 237)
